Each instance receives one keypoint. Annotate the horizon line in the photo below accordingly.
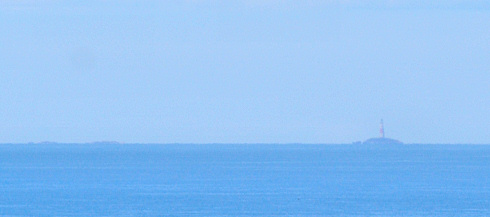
(214, 143)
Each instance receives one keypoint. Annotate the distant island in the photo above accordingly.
(381, 140)
(81, 143)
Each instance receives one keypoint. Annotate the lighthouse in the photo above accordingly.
(382, 140)
(381, 130)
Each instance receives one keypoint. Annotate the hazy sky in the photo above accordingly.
(244, 71)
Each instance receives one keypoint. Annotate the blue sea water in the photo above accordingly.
(244, 180)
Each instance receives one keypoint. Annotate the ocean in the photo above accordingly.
(244, 180)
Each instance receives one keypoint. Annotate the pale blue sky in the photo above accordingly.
(244, 71)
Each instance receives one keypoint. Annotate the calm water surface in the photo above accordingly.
(244, 180)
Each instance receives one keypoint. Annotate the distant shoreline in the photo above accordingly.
(326, 144)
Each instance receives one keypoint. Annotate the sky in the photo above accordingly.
(269, 71)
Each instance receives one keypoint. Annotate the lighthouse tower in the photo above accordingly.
(382, 140)
(381, 130)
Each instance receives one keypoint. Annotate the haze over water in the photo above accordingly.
(201, 72)
(244, 71)
(244, 180)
